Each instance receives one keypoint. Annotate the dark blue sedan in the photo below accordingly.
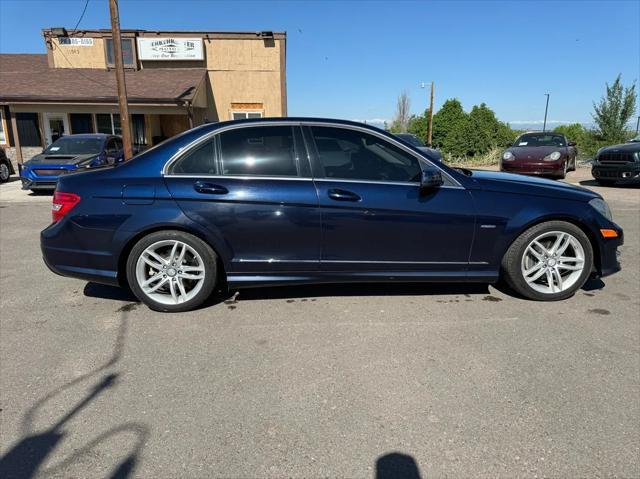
(291, 201)
(67, 154)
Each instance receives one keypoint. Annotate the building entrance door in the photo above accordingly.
(55, 126)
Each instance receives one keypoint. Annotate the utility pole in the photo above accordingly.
(546, 108)
(637, 125)
(120, 81)
(430, 126)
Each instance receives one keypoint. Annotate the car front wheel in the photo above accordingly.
(549, 261)
(172, 271)
(5, 173)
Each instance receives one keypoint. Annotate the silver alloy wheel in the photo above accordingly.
(553, 262)
(4, 172)
(170, 272)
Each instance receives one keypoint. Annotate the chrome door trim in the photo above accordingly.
(274, 260)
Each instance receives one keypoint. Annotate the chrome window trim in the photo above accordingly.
(258, 123)
(300, 178)
(240, 177)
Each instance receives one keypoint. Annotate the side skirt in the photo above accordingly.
(249, 280)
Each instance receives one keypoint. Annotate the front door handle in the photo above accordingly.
(343, 195)
(209, 188)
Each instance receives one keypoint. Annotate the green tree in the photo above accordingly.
(418, 125)
(448, 119)
(614, 110)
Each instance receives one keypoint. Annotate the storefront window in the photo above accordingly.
(108, 123)
(127, 52)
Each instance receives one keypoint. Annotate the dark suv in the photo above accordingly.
(618, 163)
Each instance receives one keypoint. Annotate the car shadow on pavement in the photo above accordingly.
(24, 460)
(105, 291)
(364, 289)
(595, 183)
(397, 465)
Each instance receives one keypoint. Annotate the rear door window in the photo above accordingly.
(259, 151)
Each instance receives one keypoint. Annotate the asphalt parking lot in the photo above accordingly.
(372, 381)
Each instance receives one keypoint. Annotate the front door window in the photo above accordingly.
(354, 155)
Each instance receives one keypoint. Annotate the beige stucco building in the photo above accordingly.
(175, 80)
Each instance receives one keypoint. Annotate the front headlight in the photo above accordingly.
(555, 156)
(507, 155)
(601, 207)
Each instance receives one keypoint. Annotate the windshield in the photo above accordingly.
(635, 140)
(540, 139)
(74, 146)
(411, 139)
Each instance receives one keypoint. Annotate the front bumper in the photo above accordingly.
(32, 180)
(610, 254)
(619, 173)
(539, 168)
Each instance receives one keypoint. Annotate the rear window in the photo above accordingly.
(198, 161)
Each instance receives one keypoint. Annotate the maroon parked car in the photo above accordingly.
(543, 154)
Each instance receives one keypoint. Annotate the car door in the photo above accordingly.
(111, 151)
(252, 187)
(374, 214)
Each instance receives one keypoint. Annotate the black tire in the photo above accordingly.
(511, 262)
(563, 175)
(5, 172)
(208, 255)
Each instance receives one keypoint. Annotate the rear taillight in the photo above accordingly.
(62, 204)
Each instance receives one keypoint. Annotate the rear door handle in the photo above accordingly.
(343, 195)
(209, 188)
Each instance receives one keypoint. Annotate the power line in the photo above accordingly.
(86, 4)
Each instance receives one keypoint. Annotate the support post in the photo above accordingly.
(120, 79)
(430, 126)
(16, 136)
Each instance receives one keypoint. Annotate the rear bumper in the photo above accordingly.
(81, 261)
(620, 173)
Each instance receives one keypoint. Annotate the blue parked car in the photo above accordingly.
(67, 154)
(289, 201)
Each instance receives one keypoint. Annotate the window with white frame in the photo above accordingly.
(108, 123)
(3, 135)
(245, 114)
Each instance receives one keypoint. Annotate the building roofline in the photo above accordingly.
(257, 35)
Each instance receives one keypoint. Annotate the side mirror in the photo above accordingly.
(571, 143)
(431, 178)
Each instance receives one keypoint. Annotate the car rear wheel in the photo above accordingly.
(549, 261)
(172, 271)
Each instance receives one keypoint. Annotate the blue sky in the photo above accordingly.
(352, 59)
